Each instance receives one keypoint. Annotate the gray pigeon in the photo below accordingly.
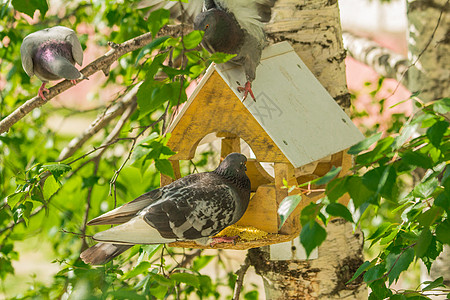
(195, 207)
(235, 27)
(51, 54)
(230, 26)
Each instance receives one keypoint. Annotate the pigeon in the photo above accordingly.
(51, 54)
(236, 27)
(195, 207)
(230, 26)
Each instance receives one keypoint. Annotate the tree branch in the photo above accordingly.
(240, 278)
(100, 123)
(384, 61)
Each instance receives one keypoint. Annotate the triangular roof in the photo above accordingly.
(293, 119)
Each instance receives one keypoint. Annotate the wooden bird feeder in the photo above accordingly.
(293, 123)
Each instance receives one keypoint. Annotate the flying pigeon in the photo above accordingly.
(230, 26)
(235, 27)
(195, 207)
(51, 54)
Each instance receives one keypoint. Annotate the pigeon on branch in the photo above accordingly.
(51, 54)
(195, 207)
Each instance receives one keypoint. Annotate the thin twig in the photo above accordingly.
(240, 278)
(102, 120)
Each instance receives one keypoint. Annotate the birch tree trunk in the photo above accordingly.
(313, 28)
(429, 50)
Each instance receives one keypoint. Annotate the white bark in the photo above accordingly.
(429, 48)
(313, 29)
(322, 278)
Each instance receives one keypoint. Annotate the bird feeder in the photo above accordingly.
(293, 123)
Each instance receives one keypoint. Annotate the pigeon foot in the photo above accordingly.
(224, 239)
(246, 89)
(74, 82)
(41, 91)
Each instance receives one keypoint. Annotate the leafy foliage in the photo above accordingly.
(420, 226)
(49, 199)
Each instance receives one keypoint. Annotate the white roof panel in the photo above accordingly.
(293, 107)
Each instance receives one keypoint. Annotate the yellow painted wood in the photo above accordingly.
(262, 210)
(217, 109)
(230, 145)
(258, 176)
(286, 171)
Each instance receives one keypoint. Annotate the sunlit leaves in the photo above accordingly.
(157, 20)
(312, 236)
(287, 206)
(30, 6)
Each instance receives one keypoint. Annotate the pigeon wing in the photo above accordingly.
(249, 14)
(195, 211)
(127, 211)
(77, 51)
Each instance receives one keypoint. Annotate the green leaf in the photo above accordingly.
(397, 263)
(158, 291)
(381, 150)
(358, 191)
(201, 262)
(374, 273)
(339, 210)
(287, 206)
(220, 58)
(427, 218)
(28, 7)
(361, 269)
(312, 236)
(149, 47)
(436, 132)
(15, 198)
(193, 39)
(57, 169)
(151, 249)
(336, 189)
(442, 106)
(423, 243)
(89, 181)
(416, 158)
(329, 176)
(186, 278)
(439, 282)
(406, 133)
(364, 144)
(426, 188)
(157, 20)
(51, 186)
(23, 212)
(443, 232)
(443, 200)
(139, 269)
(164, 166)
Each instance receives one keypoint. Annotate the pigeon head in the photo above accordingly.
(222, 31)
(233, 168)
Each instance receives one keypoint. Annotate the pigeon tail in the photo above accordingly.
(135, 231)
(102, 253)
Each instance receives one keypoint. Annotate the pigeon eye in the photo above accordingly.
(206, 27)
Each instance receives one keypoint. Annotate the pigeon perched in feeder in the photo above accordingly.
(195, 207)
(235, 27)
(51, 54)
